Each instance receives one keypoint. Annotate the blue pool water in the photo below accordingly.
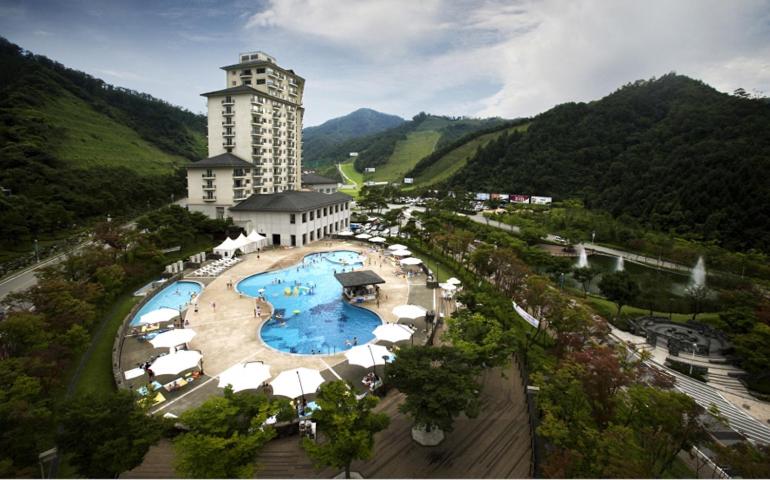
(324, 321)
(173, 296)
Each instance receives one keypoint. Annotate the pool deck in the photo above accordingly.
(227, 329)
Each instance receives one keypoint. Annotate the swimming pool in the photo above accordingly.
(316, 319)
(176, 295)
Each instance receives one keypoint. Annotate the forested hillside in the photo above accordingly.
(321, 143)
(672, 152)
(73, 147)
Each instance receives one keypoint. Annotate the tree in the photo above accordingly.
(106, 435)
(347, 424)
(439, 384)
(754, 350)
(697, 295)
(585, 275)
(481, 338)
(619, 288)
(225, 435)
(745, 460)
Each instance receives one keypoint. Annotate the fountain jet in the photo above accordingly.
(698, 276)
(620, 264)
(582, 258)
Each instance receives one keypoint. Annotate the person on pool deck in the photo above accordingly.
(355, 341)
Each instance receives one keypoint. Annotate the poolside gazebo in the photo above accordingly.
(359, 287)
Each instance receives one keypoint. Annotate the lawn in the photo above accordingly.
(350, 172)
(608, 309)
(405, 156)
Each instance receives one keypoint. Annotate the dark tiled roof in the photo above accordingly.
(358, 279)
(314, 179)
(261, 63)
(223, 160)
(233, 91)
(289, 201)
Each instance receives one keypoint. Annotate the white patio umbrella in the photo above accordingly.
(454, 281)
(162, 314)
(377, 240)
(245, 376)
(346, 233)
(448, 287)
(400, 253)
(397, 246)
(174, 363)
(363, 236)
(410, 261)
(367, 355)
(297, 382)
(393, 332)
(172, 338)
(409, 311)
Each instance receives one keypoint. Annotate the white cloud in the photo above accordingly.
(402, 56)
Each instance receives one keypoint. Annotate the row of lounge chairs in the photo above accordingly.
(215, 268)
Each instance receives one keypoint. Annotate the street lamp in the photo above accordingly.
(694, 347)
(37, 252)
(593, 236)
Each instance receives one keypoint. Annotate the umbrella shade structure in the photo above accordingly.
(377, 240)
(245, 376)
(297, 382)
(172, 338)
(400, 253)
(368, 355)
(409, 311)
(448, 287)
(454, 281)
(363, 236)
(393, 332)
(163, 314)
(346, 233)
(397, 246)
(174, 363)
(410, 261)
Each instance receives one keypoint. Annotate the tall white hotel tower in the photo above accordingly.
(254, 132)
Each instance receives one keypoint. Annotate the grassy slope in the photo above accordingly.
(354, 175)
(452, 162)
(609, 309)
(407, 153)
(92, 139)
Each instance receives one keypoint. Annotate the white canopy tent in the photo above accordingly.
(177, 362)
(368, 355)
(297, 382)
(172, 338)
(163, 314)
(454, 281)
(255, 241)
(245, 376)
(226, 248)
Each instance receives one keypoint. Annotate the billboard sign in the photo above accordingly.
(482, 196)
(408, 180)
(519, 198)
(370, 169)
(353, 154)
(541, 200)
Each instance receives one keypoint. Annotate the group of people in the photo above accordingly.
(371, 381)
(351, 343)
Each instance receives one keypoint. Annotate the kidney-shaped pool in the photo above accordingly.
(315, 318)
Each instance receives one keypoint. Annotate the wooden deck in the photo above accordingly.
(494, 445)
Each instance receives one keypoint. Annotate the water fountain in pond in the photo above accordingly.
(583, 257)
(620, 265)
(698, 275)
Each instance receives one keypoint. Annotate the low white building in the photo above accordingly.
(318, 183)
(293, 218)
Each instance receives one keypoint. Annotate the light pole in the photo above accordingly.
(37, 252)
(694, 347)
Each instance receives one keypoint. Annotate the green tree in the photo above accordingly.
(225, 434)
(619, 288)
(754, 350)
(347, 424)
(585, 276)
(481, 338)
(106, 435)
(439, 384)
(745, 460)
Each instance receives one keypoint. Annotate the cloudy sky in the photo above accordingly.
(465, 57)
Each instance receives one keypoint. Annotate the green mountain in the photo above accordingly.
(395, 152)
(73, 147)
(321, 143)
(673, 153)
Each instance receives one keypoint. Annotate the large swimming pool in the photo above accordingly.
(316, 319)
(177, 294)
